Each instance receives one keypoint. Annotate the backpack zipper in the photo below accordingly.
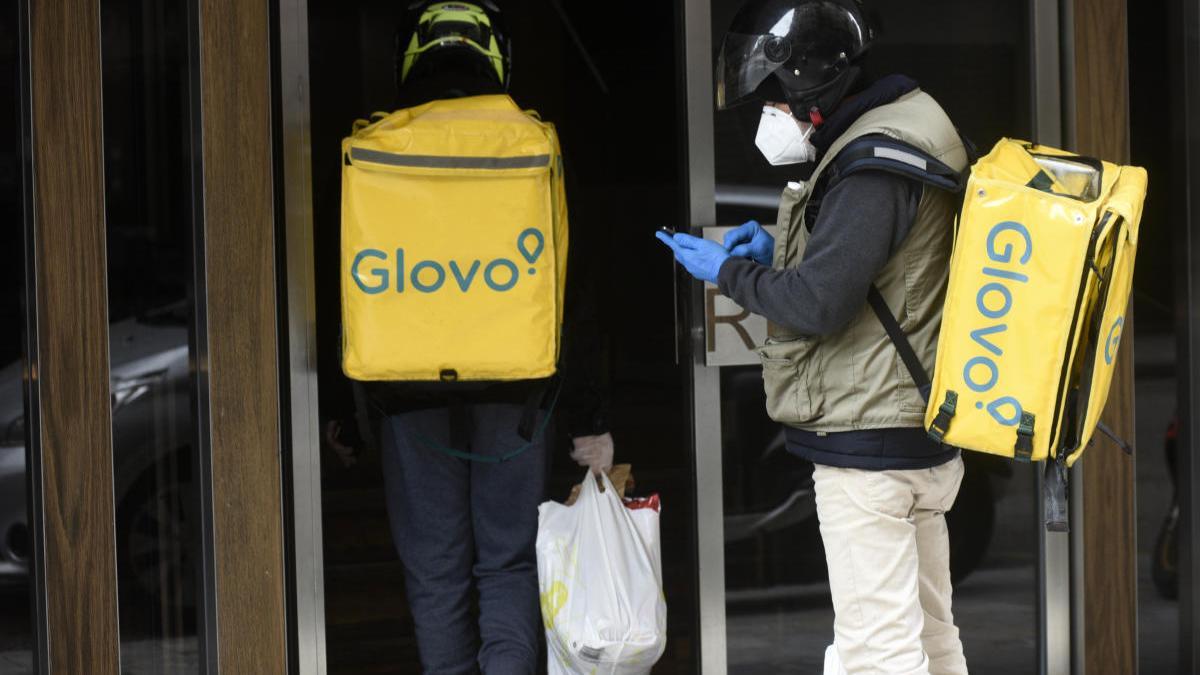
(1089, 361)
(1067, 360)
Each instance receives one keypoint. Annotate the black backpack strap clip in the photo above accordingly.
(1023, 448)
(941, 422)
(1056, 496)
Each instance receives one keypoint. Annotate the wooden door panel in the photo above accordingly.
(1101, 72)
(70, 369)
(239, 278)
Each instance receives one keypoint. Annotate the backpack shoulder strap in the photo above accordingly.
(883, 153)
(900, 340)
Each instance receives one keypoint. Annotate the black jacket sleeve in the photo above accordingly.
(862, 220)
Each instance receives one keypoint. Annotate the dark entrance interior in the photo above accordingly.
(1155, 90)
(607, 79)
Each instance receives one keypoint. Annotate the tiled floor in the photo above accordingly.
(997, 628)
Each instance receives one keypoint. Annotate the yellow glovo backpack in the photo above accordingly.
(1040, 278)
(454, 244)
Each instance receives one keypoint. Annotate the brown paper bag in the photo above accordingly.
(621, 476)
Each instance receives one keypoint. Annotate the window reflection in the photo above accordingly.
(1156, 365)
(148, 213)
(16, 637)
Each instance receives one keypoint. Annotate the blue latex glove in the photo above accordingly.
(700, 257)
(751, 240)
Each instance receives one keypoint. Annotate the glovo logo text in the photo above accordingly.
(1113, 340)
(431, 276)
(1010, 247)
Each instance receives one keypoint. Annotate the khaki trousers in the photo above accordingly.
(888, 553)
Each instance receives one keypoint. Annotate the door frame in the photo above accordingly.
(301, 411)
(69, 435)
(1048, 46)
(704, 383)
(241, 622)
(235, 158)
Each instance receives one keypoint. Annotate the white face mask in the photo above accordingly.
(783, 139)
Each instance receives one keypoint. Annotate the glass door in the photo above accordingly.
(151, 307)
(16, 611)
(606, 79)
(765, 604)
(139, 471)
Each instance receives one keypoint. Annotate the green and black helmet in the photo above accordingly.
(437, 31)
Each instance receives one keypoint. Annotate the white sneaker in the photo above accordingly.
(833, 662)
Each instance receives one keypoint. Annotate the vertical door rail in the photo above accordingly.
(231, 47)
(70, 456)
(1054, 548)
(296, 138)
(706, 381)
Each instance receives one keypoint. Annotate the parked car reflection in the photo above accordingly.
(14, 528)
(769, 497)
(152, 432)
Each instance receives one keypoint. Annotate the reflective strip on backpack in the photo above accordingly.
(438, 162)
(909, 158)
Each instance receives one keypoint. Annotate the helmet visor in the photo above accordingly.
(469, 31)
(454, 25)
(744, 63)
(450, 27)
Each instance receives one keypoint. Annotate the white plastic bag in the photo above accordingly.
(600, 580)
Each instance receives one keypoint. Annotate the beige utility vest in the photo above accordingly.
(855, 379)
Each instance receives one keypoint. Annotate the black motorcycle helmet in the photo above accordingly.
(813, 48)
(464, 41)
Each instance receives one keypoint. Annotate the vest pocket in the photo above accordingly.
(791, 208)
(790, 399)
(908, 399)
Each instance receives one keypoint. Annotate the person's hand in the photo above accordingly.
(751, 240)
(700, 257)
(333, 434)
(595, 452)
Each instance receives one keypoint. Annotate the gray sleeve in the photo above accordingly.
(863, 219)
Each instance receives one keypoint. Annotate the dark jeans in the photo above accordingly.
(463, 527)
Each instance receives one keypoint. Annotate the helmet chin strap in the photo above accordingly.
(817, 105)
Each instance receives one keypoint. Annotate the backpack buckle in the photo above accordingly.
(1023, 449)
(946, 411)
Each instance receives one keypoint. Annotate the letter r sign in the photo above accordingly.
(730, 332)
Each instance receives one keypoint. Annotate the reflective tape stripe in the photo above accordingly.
(436, 162)
(901, 156)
